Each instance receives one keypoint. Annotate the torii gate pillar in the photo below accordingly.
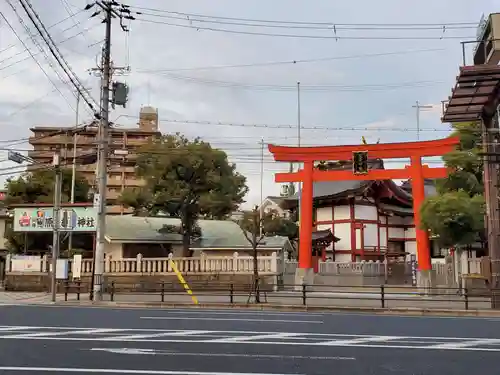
(416, 172)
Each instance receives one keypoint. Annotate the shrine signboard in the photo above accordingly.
(38, 219)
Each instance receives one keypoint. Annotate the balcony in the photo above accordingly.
(54, 140)
(121, 168)
(41, 155)
(125, 182)
(137, 142)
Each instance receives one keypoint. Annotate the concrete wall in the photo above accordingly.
(3, 240)
(361, 228)
(140, 283)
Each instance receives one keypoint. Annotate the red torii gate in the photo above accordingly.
(415, 171)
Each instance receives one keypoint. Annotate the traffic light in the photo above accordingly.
(360, 162)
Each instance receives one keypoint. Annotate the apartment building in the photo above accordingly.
(123, 146)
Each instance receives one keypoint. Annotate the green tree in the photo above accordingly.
(38, 187)
(456, 215)
(187, 179)
(256, 228)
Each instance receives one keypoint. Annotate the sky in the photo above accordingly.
(227, 71)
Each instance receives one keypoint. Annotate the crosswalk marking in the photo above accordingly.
(148, 335)
(281, 335)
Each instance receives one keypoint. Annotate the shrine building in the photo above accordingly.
(370, 220)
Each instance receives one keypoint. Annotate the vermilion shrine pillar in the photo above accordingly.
(418, 192)
(306, 217)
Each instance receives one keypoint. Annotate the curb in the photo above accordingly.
(292, 308)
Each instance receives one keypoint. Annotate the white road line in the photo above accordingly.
(365, 340)
(10, 329)
(62, 333)
(240, 313)
(291, 343)
(258, 337)
(151, 335)
(466, 344)
(244, 355)
(232, 319)
(122, 371)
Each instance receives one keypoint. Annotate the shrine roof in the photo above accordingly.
(389, 208)
(324, 235)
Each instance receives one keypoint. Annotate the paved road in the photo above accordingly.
(54, 339)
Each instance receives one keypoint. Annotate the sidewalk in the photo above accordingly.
(361, 301)
(14, 298)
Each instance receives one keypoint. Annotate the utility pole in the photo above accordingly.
(299, 185)
(298, 114)
(57, 222)
(73, 168)
(418, 108)
(491, 179)
(103, 157)
(261, 184)
(111, 9)
(298, 142)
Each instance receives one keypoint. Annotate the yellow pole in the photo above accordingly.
(183, 282)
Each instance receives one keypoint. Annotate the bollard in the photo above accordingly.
(466, 295)
(112, 291)
(163, 291)
(78, 286)
(231, 293)
(304, 296)
(382, 296)
(66, 287)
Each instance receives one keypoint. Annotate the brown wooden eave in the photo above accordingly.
(476, 94)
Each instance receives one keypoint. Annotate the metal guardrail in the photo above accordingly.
(383, 296)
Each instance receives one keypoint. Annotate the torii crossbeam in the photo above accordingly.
(415, 171)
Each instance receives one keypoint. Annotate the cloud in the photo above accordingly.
(336, 94)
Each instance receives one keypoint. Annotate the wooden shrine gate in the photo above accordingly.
(415, 171)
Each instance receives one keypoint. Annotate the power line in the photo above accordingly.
(34, 59)
(329, 27)
(54, 50)
(72, 16)
(50, 27)
(291, 62)
(312, 88)
(305, 36)
(472, 24)
(292, 126)
(35, 42)
(36, 54)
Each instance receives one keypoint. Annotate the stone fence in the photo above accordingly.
(236, 264)
(371, 273)
(330, 273)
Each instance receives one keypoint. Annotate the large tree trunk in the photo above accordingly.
(186, 232)
(186, 244)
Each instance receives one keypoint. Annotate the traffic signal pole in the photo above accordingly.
(56, 225)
